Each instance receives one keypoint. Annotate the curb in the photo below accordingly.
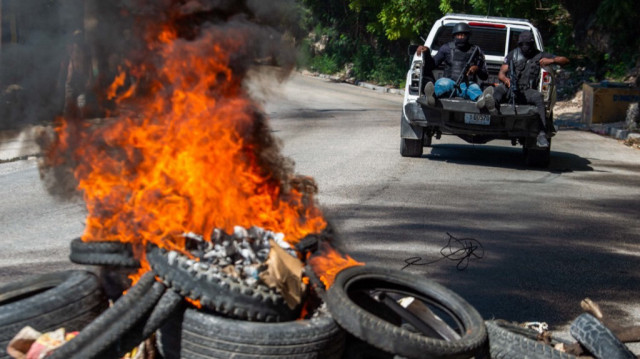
(380, 88)
(367, 85)
(616, 130)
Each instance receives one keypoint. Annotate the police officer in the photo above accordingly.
(527, 60)
(455, 55)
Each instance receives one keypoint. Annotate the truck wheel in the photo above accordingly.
(537, 157)
(410, 148)
(426, 141)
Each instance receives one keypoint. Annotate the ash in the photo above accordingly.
(241, 254)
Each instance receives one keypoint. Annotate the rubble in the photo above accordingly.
(242, 254)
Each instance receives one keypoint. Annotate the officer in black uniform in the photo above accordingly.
(455, 55)
(527, 60)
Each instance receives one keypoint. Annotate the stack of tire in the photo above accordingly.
(237, 320)
(360, 316)
(234, 321)
(240, 322)
(69, 299)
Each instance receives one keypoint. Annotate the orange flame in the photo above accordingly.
(184, 153)
(329, 262)
(181, 158)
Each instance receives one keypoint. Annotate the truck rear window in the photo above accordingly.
(513, 38)
(491, 40)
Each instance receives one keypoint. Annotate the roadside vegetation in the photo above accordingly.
(367, 40)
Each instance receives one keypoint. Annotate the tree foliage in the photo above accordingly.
(596, 33)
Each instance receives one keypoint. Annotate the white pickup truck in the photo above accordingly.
(496, 36)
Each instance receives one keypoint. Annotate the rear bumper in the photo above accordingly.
(448, 117)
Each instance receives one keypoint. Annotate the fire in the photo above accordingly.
(329, 262)
(184, 152)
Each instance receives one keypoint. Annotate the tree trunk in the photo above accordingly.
(583, 16)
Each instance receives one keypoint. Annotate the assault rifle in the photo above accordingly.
(463, 74)
(513, 88)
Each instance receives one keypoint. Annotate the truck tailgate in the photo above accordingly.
(458, 116)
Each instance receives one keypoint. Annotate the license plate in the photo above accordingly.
(477, 119)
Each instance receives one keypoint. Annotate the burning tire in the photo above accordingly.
(509, 341)
(134, 317)
(116, 254)
(69, 299)
(217, 290)
(370, 303)
(195, 335)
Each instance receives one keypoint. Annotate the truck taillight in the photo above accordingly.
(546, 83)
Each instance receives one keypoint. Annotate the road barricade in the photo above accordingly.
(607, 102)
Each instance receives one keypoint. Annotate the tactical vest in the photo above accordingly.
(458, 58)
(527, 70)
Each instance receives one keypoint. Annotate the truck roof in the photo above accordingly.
(495, 35)
(496, 19)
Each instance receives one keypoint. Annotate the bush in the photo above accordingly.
(326, 64)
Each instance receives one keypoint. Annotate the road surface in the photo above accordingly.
(534, 241)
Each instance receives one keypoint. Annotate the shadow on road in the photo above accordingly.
(505, 157)
(538, 268)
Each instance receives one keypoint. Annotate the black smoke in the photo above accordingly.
(34, 49)
(115, 35)
(41, 37)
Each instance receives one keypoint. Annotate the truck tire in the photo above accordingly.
(535, 156)
(427, 140)
(410, 148)
(69, 299)
(193, 334)
(598, 339)
(350, 302)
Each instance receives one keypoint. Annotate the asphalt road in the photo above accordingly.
(543, 239)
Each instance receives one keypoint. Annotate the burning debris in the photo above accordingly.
(183, 160)
(242, 254)
(176, 112)
(183, 167)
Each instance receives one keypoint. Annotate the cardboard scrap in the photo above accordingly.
(284, 272)
(20, 344)
(31, 344)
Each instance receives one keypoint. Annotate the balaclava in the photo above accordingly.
(462, 44)
(526, 43)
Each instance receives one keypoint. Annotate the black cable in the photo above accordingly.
(467, 249)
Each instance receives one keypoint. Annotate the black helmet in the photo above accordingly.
(461, 27)
(525, 37)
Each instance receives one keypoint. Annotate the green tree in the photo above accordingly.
(402, 19)
(598, 34)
